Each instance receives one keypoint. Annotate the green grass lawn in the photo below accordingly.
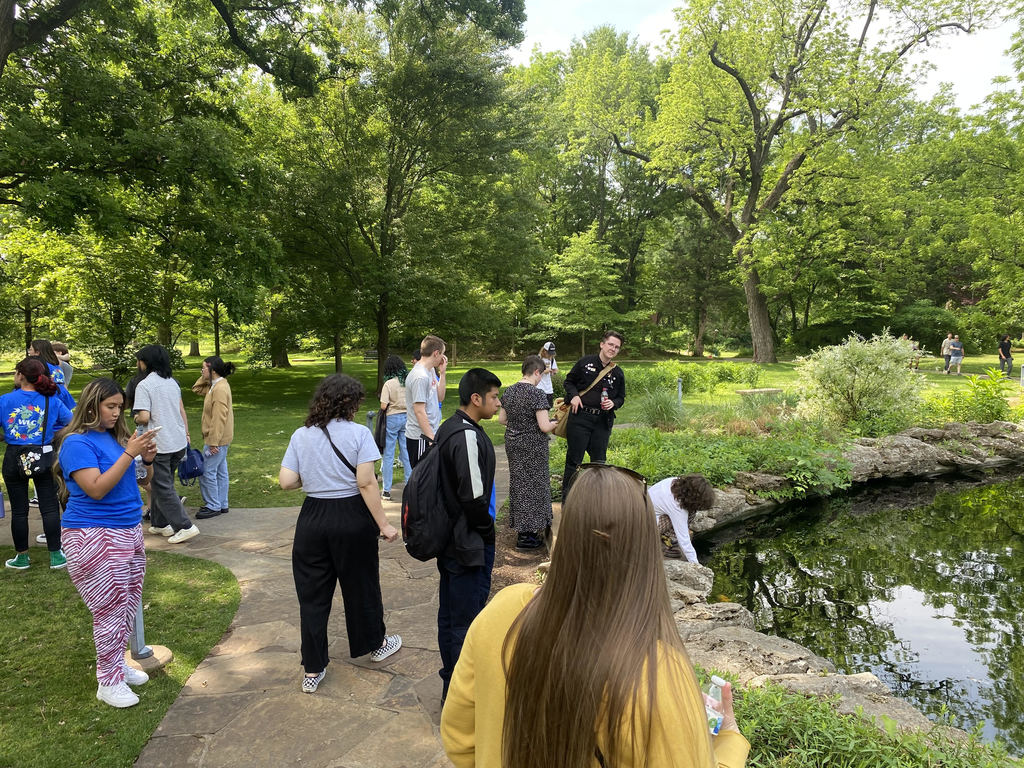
(49, 715)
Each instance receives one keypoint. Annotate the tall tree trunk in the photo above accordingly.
(337, 350)
(701, 328)
(216, 327)
(383, 338)
(193, 347)
(760, 319)
(583, 343)
(27, 309)
(278, 341)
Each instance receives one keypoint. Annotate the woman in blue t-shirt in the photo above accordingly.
(42, 349)
(102, 528)
(24, 412)
(336, 533)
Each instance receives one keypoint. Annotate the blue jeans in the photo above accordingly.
(395, 434)
(462, 595)
(214, 481)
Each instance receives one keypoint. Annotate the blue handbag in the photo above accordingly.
(191, 467)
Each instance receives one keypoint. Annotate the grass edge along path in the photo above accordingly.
(49, 715)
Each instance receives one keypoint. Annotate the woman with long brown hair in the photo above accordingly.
(587, 670)
(102, 528)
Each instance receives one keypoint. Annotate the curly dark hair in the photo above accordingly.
(337, 397)
(693, 492)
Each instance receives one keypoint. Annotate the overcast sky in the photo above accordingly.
(969, 62)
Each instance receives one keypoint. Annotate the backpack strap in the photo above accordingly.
(336, 451)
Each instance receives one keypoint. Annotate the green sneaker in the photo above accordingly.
(57, 560)
(19, 562)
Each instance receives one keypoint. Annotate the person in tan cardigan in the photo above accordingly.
(218, 432)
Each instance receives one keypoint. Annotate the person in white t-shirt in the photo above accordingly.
(423, 395)
(547, 354)
(673, 499)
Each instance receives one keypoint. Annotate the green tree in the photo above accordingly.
(586, 287)
(761, 99)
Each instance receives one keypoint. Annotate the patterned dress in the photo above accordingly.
(527, 450)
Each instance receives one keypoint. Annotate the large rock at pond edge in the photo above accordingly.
(731, 506)
(703, 617)
(688, 582)
(898, 456)
(749, 654)
(859, 694)
(760, 482)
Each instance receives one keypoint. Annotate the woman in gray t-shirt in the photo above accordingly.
(332, 460)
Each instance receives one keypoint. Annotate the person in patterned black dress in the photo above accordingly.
(524, 412)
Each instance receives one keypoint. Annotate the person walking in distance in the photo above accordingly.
(547, 354)
(1005, 358)
(424, 393)
(392, 401)
(956, 353)
(596, 388)
(944, 351)
(466, 469)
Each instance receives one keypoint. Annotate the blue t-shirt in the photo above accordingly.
(62, 388)
(22, 415)
(121, 507)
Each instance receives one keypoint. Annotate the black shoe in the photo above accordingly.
(145, 515)
(225, 511)
(205, 513)
(528, 541)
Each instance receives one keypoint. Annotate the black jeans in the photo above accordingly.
(586, 433)
(336, 542)
(462, 595)
(165, 504)
(17, 489)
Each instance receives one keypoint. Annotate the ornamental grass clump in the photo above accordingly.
(864, 386)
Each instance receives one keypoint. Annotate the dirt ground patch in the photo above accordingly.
(512, 566)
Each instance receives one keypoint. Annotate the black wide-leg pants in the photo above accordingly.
(336, 542)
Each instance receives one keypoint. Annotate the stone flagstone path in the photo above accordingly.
(243, 706)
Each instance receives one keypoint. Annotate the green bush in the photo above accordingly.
(982, 400)
(660, 409)
(798, 731)
(809, 462)
(864, 386)
(694, 377)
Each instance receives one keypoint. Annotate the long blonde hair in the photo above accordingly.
(580, 653)
(86, 418)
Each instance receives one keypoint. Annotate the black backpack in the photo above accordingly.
(426, 527)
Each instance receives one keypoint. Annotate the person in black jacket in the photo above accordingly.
(467, 479)
(590, 425)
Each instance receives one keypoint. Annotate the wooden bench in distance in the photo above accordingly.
(369, 355)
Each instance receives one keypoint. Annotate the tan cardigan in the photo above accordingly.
(218, 416)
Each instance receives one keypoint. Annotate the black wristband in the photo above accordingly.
(147, 463)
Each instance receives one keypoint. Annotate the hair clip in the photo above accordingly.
(602, 534)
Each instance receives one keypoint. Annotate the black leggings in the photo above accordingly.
(17, 488)
(336, 541)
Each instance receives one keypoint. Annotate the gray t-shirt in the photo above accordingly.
(323, 474)
(421, 387)
(162, 398)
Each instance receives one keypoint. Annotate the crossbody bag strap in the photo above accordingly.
(46, 419)
(336, 451)
(600, 376)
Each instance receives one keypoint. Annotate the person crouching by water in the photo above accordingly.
(587, 670)
(102, 528)
(332, 459)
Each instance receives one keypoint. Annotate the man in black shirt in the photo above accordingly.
(1005, 358)
(593, 413)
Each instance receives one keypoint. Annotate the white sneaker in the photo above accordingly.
(41, 538)
(134, 676)
(119, 695)
(183, 535)
(391, 645)
(165, 531)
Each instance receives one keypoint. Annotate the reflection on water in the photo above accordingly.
(929, 598)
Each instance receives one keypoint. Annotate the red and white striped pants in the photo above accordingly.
(107, 566)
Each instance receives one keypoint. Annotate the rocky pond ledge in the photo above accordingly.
(721, 636)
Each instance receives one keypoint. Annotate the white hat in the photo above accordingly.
(549, 346)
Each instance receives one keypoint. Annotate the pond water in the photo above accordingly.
(922, 586)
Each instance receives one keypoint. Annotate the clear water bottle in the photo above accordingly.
(140, 469)
(604, 394)
(713, 704)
